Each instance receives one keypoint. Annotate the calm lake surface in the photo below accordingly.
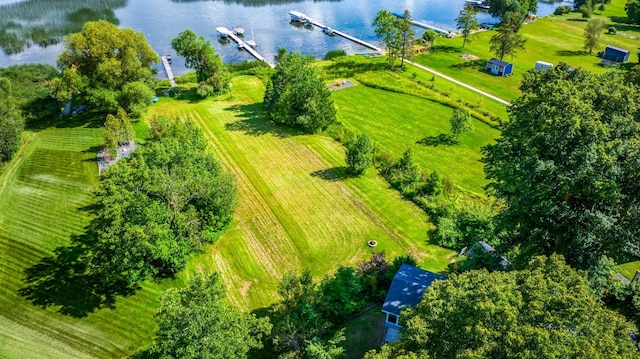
(31, 31)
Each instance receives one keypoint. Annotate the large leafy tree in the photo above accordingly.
(102, 64)
(567, 166)
(195, 322)
(385, 25)
(546, 311)
(159, 207)
(200, 55)
(295, 94)
(117, 129)
(633, 11)
(11, 122)
(508, 41)
(498, 8)
(466, 22)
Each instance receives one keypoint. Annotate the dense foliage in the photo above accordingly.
(567, 166)
(359, 156)
(308, 315)
(195, 322)
(545, 311)
(295, 94)
(29, 90)
(107, 68)
(498, 8)
(200, 55)
(11, 122)
(160, 206)
(633, 11)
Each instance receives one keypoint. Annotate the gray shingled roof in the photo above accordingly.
(407, 288)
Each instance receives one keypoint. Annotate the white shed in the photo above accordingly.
(541, 65)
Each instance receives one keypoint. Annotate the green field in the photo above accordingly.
(42, 193)
(297, 210)
(397, 122)
(552, 39)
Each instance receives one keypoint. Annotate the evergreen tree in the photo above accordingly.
(466, 22)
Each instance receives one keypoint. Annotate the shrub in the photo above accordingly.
(561, 10)
(612, 30)
(330, 55)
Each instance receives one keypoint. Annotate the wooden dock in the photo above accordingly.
(423, 25)
(166, 62)
(298, 16)
(223, 31)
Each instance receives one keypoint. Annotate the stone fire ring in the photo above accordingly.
(372, 243)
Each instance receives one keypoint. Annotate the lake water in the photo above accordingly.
(31, 31)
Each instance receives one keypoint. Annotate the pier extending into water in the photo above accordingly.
(298, 16)
(166, 63)
(423, 25)
(224, 32)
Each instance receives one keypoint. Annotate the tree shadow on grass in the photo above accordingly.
(333, 174)
(435, 141)
(62, 281)
(253, 122)
(570, 53)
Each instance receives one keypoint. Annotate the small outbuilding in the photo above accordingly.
(543, 66)
(406, 290)
(615, 54)
(499, 67)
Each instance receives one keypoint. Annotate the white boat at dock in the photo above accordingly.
(238, 31)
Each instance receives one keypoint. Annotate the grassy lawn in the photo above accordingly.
(297, 208)
(364, 333)
(629, 269)
(397, 122)
(42, 195)
(552, 39)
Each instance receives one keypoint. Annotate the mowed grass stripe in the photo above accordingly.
(42, 193)
(290, 216)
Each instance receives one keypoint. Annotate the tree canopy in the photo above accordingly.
(11, 122)
(507, 41)
(498, 8)
(396, 33)
(567, 166)
(545, 311)
(592, 33)
(200, 55)
(295, 94)
(359, 155)
(103, 65)
(195, 322)
(633, 11)
(158, 207)
(460, 122)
